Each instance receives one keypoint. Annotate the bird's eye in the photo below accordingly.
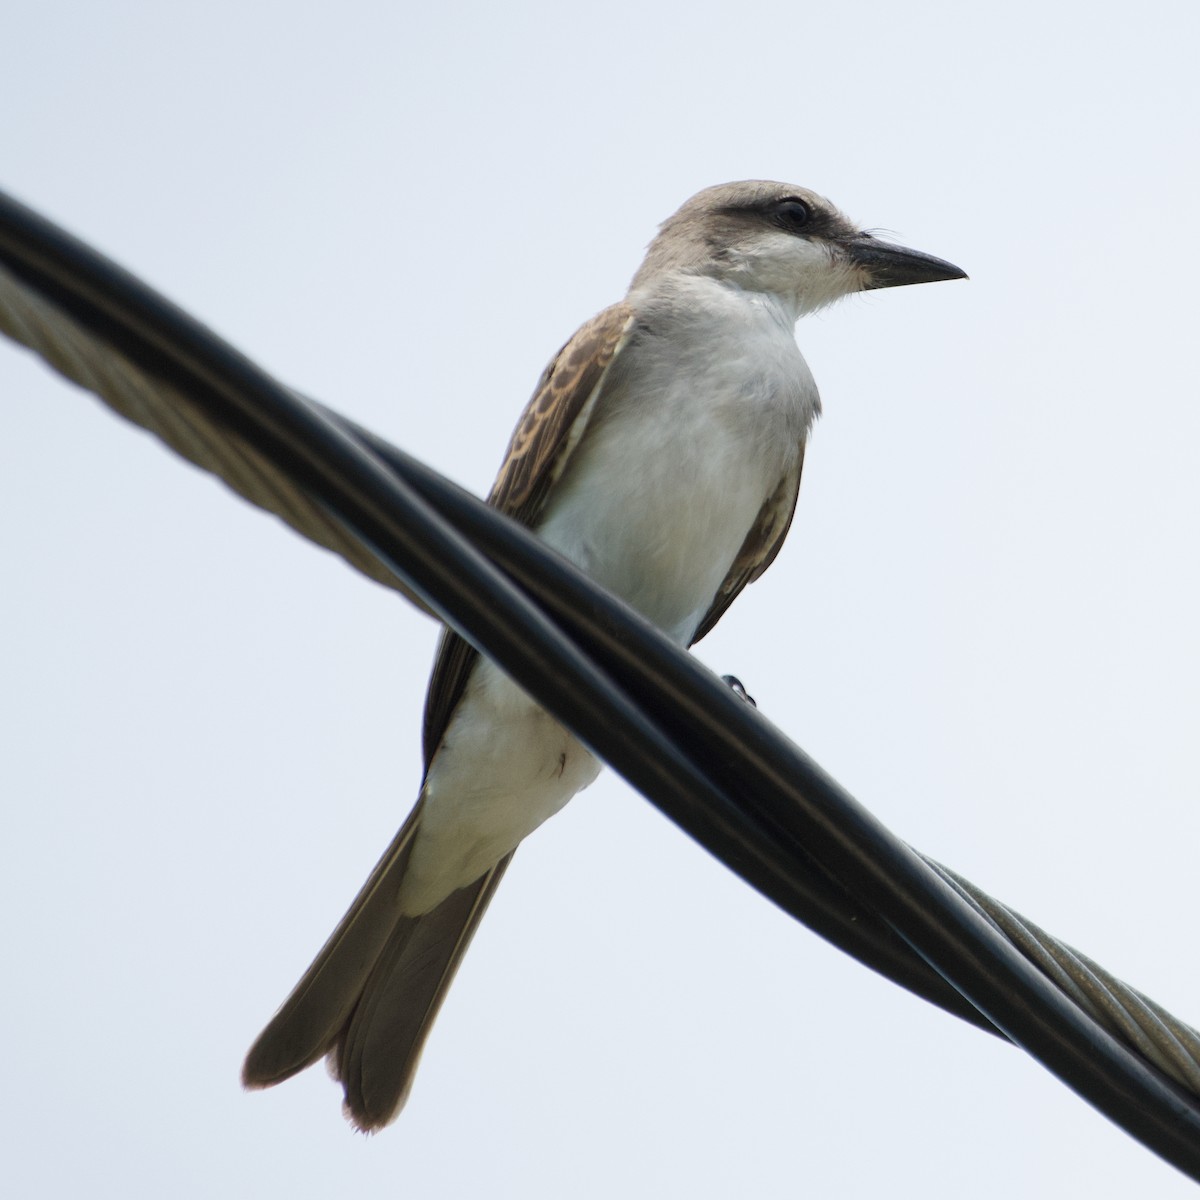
(793, 214)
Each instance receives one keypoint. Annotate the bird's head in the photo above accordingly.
(784, 240)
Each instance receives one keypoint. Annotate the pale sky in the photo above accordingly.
(983, 624)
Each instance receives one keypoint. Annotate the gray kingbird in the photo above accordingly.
(661, 453)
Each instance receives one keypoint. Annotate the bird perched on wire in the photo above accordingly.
(661, 453)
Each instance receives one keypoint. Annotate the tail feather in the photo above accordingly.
(377, 1052)
(372, 993)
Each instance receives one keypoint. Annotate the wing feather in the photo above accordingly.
(546, 435)
(758, 551)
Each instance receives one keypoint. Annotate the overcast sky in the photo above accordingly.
(984, 622)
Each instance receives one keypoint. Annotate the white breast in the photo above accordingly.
(696, 429)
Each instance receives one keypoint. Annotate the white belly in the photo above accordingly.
(659, 521)
(504, 767)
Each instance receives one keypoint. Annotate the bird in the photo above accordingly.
(661, 453)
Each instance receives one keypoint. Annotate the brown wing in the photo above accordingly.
(758, 551)
(547, 433)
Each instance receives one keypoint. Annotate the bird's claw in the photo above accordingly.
(739, 689)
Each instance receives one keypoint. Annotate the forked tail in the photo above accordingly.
(371, 995)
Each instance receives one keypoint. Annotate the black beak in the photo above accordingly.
(886, 265)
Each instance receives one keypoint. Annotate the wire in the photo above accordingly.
(710, 761)
(1162, 1039)
(165, 410)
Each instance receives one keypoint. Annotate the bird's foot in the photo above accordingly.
(739, 689)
